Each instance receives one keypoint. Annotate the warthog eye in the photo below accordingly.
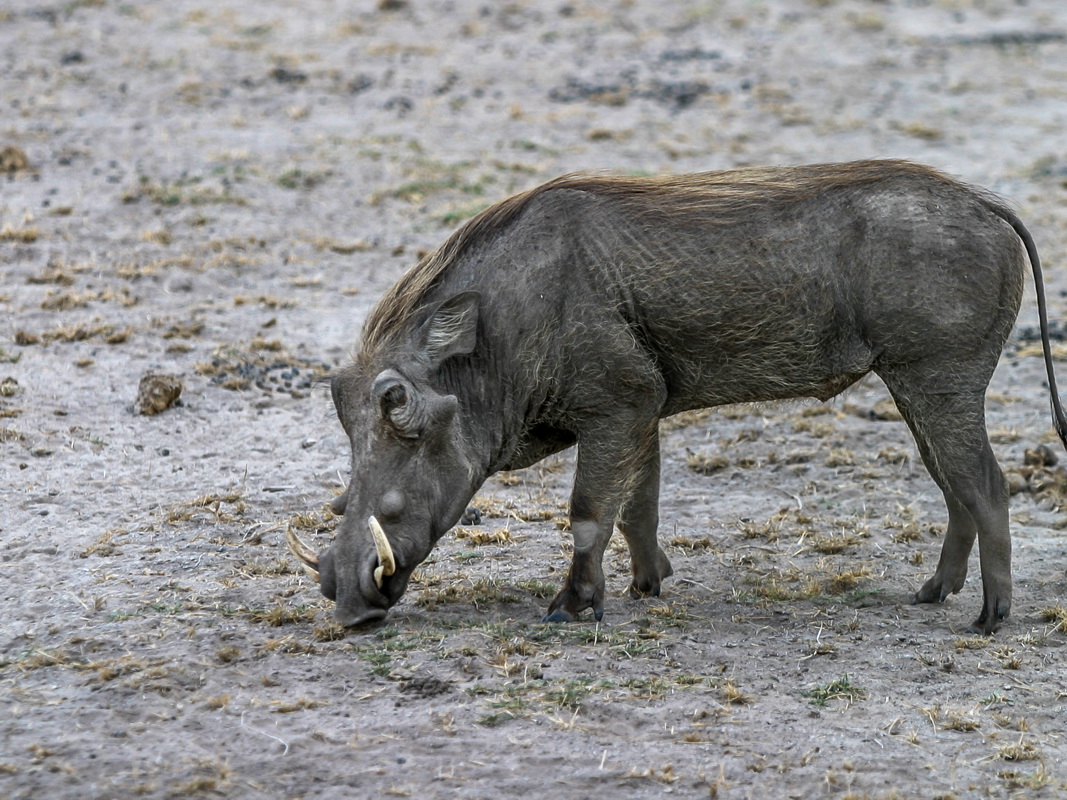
(394, 397)
(394, 402)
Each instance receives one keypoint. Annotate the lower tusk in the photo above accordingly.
(307, 557)
(386, 561)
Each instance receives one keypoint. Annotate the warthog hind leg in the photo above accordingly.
(950, 432)
(951, 572)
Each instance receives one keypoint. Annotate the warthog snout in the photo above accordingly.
(367, 598)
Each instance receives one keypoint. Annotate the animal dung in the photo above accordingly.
(237, 370)
(156, 393)
(1040, 456)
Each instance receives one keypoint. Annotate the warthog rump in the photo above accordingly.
(587, 309)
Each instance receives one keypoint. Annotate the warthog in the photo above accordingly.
(586, 310)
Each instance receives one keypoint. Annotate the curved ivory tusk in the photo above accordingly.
(307, 557)
(386, 562)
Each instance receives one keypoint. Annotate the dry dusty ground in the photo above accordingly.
(219, 190)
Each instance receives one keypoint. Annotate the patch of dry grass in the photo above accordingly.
(266, 568)
(839, 689)
(846, 581)
(483, 536)
(840, 457)
(833, 545)
(478, 593)
(105, 544)
(78, 332)
(965, 723)
(1057, 615)
(497, 508)
(267, 301)
(214, 505)
(283, 615)
(1036, 780)
(731, 695)
(1021, 750)
(27, 235)
(785, 587)
(686, 543)
(704, 464)
(323, 521)
(964, 643)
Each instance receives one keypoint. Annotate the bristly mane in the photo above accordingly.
(715, 197)
(404, 298)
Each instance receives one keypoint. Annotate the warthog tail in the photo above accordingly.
(1058, 417)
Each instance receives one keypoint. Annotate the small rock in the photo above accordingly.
(283, 75)
(156, 393)
(1017, 483)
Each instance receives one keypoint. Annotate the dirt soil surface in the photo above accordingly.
(199, 203)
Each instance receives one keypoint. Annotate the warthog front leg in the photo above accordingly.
(608, 457)
(639, 521)
(584, 587)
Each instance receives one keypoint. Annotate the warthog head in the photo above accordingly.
(412, 465)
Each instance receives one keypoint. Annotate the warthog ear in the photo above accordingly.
(452, 329)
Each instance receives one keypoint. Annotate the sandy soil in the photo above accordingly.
(217, 192)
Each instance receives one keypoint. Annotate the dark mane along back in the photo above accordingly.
(404, 298)
(719, 198)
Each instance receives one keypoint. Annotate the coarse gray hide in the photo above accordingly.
(587, 309)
